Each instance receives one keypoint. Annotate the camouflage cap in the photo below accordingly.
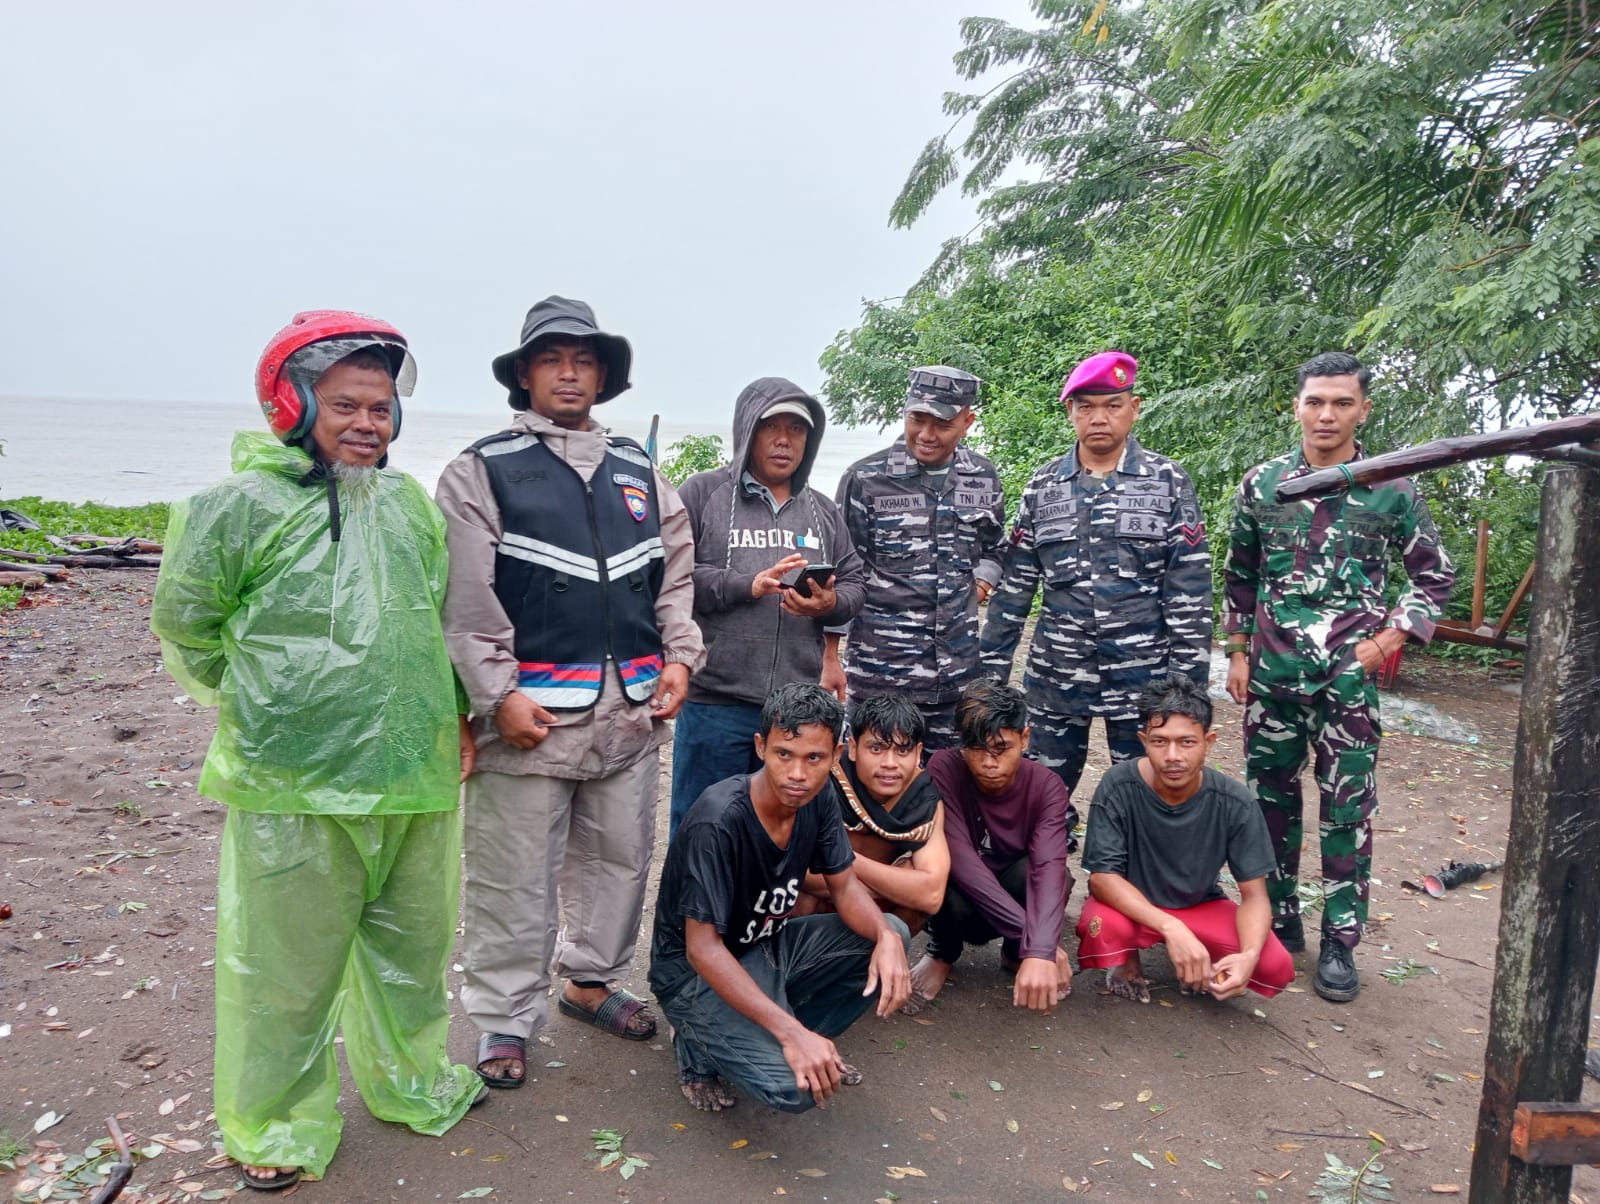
(941, 391)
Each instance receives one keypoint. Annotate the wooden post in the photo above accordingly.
(1480, 572)
(1550, 903)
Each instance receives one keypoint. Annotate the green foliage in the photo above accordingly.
(1343, 1184)
(10, 1149)
(692, 454)
(1225, 187)
(608, 1147)
(82, 518)
(10, 595)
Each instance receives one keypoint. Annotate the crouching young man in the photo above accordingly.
(892, 811)
(1160, 830)
(755, 997)
(1009, 824)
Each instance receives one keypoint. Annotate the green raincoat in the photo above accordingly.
(337, 753)
(325, 660)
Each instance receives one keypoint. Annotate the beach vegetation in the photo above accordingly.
(692, 454)
(64, 519)
(1224, 192)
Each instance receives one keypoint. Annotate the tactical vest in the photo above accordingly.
(577, 569)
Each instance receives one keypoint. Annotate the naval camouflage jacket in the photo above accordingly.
(1307, 579)
(1127, 585)
(926, 543)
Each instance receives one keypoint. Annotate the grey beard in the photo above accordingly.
(358, 482)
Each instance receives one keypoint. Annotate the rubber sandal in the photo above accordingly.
(278, 1182)
(611, 1016)
(502, 1046)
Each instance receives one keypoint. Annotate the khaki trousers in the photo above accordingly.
(556, 873)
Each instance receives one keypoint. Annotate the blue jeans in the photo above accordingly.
(814, 969)
(709, 743)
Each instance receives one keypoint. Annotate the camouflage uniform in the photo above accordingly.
(1127, 597)
(927, 537)
(1306, 580)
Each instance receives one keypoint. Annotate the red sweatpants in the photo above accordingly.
(1106, 937)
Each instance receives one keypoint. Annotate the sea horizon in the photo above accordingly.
(129, 453)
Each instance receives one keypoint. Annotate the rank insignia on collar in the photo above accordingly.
(638, 502)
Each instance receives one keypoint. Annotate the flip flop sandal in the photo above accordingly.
(502, 1046)
(611, 1016)
(278, 1182)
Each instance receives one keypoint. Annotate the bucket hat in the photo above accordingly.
(563, 316)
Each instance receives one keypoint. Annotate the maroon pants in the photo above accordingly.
(1106, 937)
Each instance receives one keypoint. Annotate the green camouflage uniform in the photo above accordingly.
(1306, 581)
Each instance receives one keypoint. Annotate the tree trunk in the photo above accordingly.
(1550, 905)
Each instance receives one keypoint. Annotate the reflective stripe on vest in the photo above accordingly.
(578, 568)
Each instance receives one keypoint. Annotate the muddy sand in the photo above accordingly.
(108, 859)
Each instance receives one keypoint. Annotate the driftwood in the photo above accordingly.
(113, 546)
(25, 580)
(53, 571)
(83, 561)
(1546, 438)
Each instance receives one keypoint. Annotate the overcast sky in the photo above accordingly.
(715, 178)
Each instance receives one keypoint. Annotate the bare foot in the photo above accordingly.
(1127, 981)
(927, 980)
(269, 1178)
(501, 1059)
(709, 1095)
(641, 1024)
(1063, 975)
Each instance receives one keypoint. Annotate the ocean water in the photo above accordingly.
(126, 453)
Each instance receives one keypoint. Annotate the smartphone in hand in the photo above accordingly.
(802, 578)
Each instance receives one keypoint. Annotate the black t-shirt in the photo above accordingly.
(723, 869)
(1174, 854)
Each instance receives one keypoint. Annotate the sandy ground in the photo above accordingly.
(109, 862)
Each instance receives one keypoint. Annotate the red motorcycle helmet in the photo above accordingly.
(312, 342)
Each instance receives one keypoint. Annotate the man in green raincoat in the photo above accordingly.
(300, 596)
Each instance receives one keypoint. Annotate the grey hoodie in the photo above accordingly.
(752, 646)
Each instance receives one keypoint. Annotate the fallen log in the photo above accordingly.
(25, 580)
(83, 560)
(52, 571)
(118, 547)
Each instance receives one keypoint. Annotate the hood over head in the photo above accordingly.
(253, 451)
(756, 399)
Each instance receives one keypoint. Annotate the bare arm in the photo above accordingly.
(919, 885)
(888, 968)
(1231, 975)
(816, 1063)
